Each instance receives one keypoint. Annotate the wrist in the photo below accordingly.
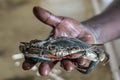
(94, 31)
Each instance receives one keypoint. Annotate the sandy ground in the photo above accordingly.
(19, 24)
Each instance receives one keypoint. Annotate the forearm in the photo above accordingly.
(106, 26)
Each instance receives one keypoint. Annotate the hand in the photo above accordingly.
(62, 26)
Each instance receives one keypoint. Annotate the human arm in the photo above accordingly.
(105, 26)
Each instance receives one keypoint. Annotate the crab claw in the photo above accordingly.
(24, 46)
(106, 58)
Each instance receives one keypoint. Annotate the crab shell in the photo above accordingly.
(58, 48)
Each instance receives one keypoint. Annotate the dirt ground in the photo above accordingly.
(17, 23)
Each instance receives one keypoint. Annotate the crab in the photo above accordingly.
(59, 48)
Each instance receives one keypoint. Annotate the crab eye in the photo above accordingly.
(75, 47)
(68, 48)
(71, 48)
(52, 47)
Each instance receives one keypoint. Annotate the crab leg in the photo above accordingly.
(88, 69)
(41, 59)
(51, 56)
(106, 58)
(31, 59)
(74, 56)
(34, 41)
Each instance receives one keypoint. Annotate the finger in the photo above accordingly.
(67, 65)
(86, 37)
(27, 65)
(81, 61)
(45, 68)
(47, 17)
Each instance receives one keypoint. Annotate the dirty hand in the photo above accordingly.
(62, 26)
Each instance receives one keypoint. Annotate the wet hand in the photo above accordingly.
(62, 26)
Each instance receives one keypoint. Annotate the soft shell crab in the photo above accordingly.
(59, 48)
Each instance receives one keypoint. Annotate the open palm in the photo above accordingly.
(62, 26)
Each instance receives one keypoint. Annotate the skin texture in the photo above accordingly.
(62, 26)
(105, 26)
(99, 29)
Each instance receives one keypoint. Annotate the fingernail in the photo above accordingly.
(44, 69)
(36, 8)
(27, 65)
(67, 65)
(82, 61)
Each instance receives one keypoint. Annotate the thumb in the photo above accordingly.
(47, 17)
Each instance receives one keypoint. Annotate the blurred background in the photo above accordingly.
(17, 23)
